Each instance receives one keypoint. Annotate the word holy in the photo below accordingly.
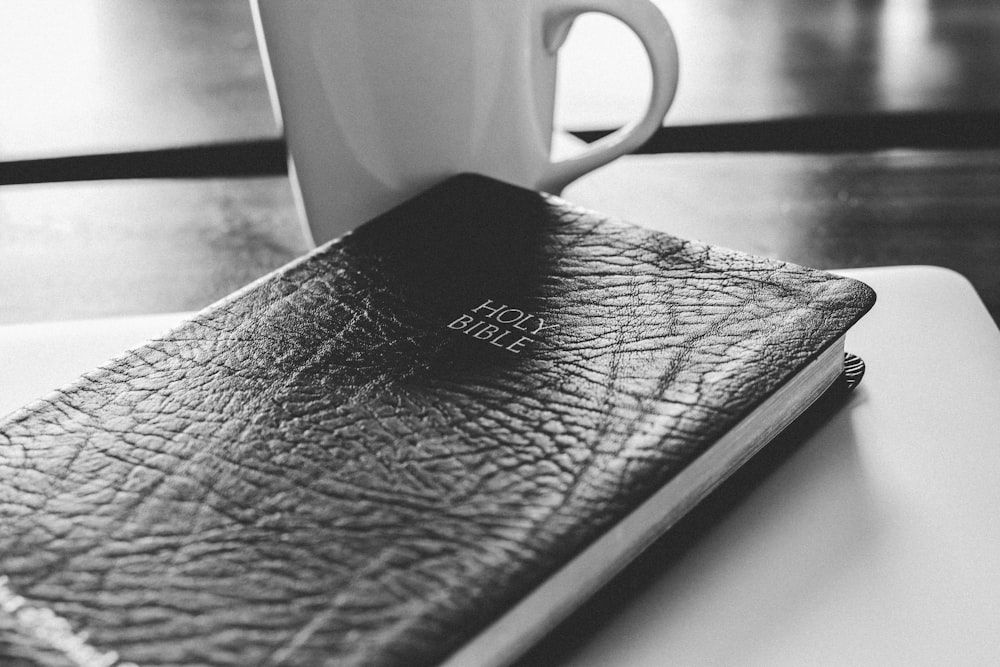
(500, 325)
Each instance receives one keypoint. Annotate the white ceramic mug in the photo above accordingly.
(380, 99)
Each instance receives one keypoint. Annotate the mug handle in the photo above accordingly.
(657, 38)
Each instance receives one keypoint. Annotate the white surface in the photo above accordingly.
(876, 543)
(37, 358)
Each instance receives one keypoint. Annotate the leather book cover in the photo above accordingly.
(376, 453)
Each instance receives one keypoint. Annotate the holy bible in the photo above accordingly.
(424, 442)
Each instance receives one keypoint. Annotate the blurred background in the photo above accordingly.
(835, 133)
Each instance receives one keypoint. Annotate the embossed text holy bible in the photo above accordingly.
(424, 442)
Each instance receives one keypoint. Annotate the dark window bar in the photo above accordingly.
(815, 134)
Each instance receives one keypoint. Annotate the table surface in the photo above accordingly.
(157, 73)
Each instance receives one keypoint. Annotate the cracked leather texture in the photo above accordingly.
(317, 470)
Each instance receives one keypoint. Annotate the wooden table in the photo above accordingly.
(160, 74)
